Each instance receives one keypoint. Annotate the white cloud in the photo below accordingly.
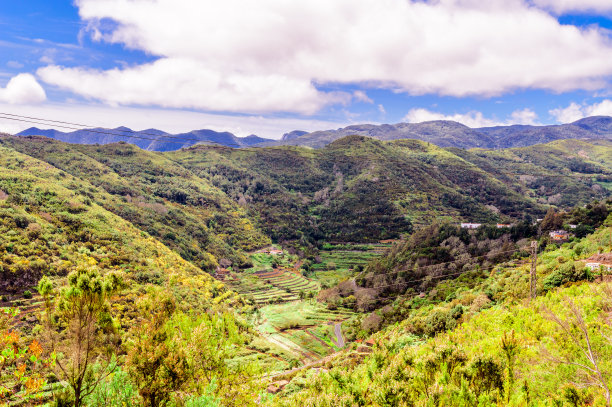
(568, 114)
(524, 116)
(381, 109)
(22, 89)
(361, 96)
(172, 121)
(185, 83)
(268, 55)
(46, 59)
(14, 64)
(472, 119)
(575, 111)
(564, 6)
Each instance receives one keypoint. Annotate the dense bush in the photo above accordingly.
(567, 273)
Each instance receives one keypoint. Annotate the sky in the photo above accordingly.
(267, 67)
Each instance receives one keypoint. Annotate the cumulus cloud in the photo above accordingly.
(472, 119)
(269, 55)
(575, 111)
(185, 83)
(564, 6)
(22, 89)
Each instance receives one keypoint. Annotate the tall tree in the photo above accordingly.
(80, 329)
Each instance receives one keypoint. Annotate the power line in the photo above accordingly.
(448, 262)
(490, 268)
(111, 132)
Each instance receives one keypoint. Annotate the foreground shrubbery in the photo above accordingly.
(516, 355)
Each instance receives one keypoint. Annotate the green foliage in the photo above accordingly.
(81, 311)
(477, 363)
(172, 353)
(117, 390)
(567, 273)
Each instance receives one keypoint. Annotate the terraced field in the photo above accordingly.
(273, 286)
(303, 328)
(338, 262)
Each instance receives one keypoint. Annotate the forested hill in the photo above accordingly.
(142, 231)
(222, 200)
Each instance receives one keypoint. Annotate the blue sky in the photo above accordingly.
(266, 67)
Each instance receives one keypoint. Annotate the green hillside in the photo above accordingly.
(183, 211)
(112, 249)
(52, 226)
(483, 342)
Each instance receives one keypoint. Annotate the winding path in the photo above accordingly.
(339, 338)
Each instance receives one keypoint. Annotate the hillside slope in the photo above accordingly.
(358, 188)
(220, 201)
(183, 211)
(480, 341)
(50, 225)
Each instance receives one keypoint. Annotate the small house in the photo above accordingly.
(598, 262)
(572, 226)
(275, 252)
(559, 235)
(470, 225)
(503, 226)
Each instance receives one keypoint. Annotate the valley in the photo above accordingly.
(283, 270)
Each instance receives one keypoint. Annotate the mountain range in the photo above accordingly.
(150, 139)
(442, 133)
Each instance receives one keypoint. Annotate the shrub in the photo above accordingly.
(371, 323)
(116, 391)
(566, 273)
(27, 294)
(207, 399)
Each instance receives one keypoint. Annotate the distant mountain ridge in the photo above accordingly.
(444, 133)
(150, 139)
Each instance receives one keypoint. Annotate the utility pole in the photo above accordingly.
(533, 279)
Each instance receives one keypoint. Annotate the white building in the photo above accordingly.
(470, 225)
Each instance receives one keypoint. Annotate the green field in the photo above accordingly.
(302, 327)
(272, 279)
(338, 262)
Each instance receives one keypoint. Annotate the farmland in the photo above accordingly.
(303, 328)
(272, 279)
(338, 262)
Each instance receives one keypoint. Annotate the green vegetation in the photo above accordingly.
(515, 354)
(185, 212)
(335, 263)
(130, 277)
(478, 340)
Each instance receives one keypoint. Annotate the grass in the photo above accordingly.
(302, 327)
(298, 315)
(338, 262)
